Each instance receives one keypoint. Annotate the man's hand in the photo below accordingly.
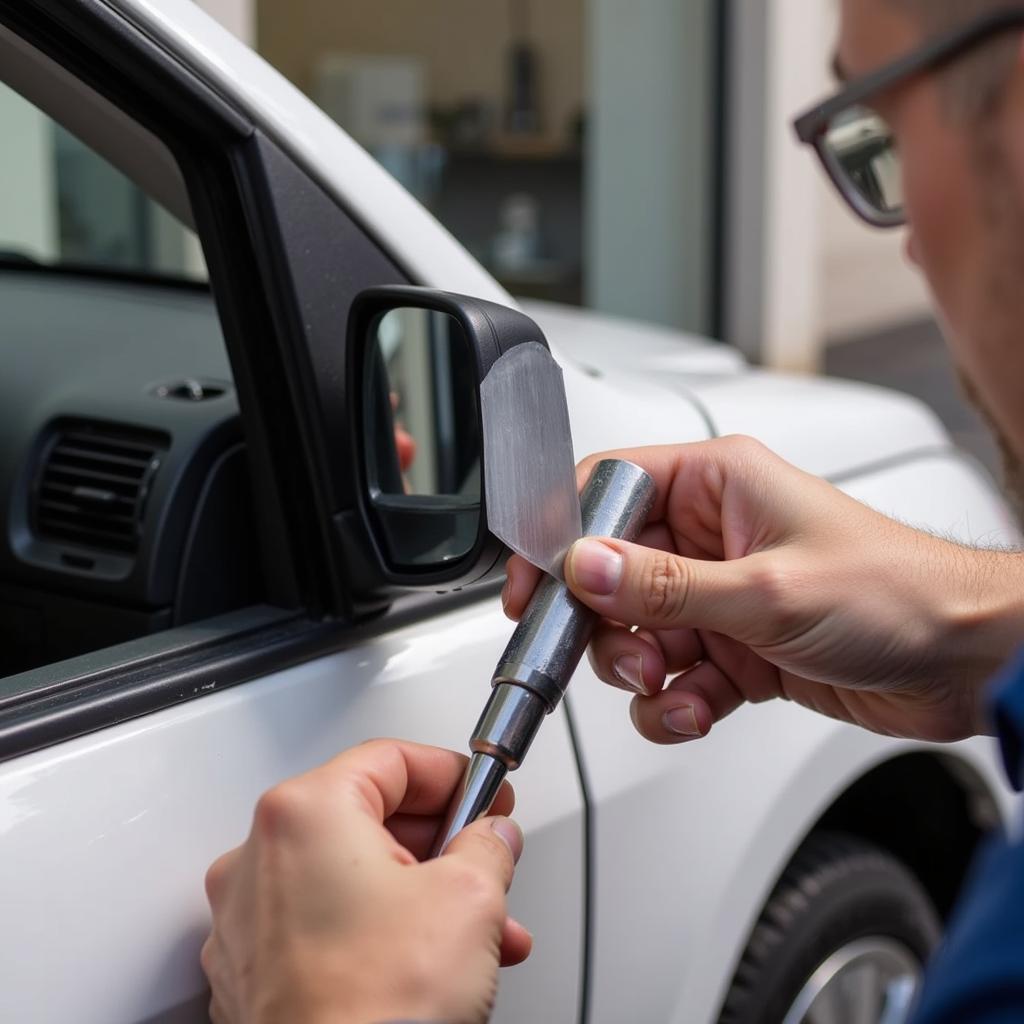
(754, 580)
(326, 914)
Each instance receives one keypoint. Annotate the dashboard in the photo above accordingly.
(124, 489)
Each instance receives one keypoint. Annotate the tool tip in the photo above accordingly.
(472, 799)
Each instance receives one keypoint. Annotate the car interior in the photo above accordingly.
(125, 506)
(124, 478)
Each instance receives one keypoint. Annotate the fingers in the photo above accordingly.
(693, 702)
(394, 777)
(639, 662)
(417, 832)
(523, 577)
(516, 943)
(362, 788)
(492, 845)
(519, 586)
(688, 707)
(658, 590)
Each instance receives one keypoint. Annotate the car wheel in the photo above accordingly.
(842, 940)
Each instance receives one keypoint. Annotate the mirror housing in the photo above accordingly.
(398, 540)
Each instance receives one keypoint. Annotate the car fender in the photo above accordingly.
(690, 840)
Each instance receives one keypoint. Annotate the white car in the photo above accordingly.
(190, 610)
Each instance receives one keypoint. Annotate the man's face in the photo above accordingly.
(964, 194)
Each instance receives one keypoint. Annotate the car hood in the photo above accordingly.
(832, 428)
(597, 341)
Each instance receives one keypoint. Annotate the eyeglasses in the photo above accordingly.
(856, 145)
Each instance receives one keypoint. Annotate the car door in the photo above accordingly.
(127, 766)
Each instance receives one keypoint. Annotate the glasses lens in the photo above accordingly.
(861, 148)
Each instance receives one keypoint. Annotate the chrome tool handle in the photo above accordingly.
(547, 645)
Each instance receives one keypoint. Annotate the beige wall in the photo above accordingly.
(236, 16)
(464, 43)
(866, 282)
(773, 190)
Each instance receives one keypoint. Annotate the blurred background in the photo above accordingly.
(635, 159)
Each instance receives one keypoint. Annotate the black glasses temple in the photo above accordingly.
(939, 50)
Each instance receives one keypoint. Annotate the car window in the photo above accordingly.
(125, 504)
(62, 204)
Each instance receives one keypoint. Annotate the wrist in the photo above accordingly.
(981, 621)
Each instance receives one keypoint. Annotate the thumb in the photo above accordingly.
(647, 587)
(493, 845)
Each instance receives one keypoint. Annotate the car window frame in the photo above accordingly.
(282, 256)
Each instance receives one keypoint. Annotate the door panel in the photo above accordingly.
(106, 838)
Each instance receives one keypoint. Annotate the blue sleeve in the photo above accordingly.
(1006, 703)
(978, 973)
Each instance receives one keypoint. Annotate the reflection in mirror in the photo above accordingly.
(422, 435)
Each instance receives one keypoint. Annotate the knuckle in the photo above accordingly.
(373, 744)
(207, 957)
(782, 592)
(280, 809)
(478, 888)
(743, 446)
(664, 586)
(216, 875)
(774, 582)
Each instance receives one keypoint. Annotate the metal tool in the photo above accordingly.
(534, 672)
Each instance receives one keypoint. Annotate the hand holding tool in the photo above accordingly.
(535, 669)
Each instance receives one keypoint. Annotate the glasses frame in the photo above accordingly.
(811, 128)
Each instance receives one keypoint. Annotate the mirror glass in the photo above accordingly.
(422, 435)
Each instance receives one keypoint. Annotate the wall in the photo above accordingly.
(802, 270)
(774, 190)
(868, 283)
(648, 160)
(238, 16)
(464, 44)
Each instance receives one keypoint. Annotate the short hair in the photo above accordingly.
(973, 83)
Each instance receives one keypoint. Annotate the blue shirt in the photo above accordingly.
(977, 976)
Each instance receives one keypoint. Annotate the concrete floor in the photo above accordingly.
(913, 358)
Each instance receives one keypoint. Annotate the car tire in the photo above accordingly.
(842, 904)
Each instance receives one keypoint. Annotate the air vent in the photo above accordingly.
(93, 486)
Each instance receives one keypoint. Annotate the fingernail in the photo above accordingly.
(510, 834)
(595, 567)
(682, 721)
(629, 670)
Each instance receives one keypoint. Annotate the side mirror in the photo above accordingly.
(416, 361)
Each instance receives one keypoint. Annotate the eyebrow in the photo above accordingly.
(838, 70)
